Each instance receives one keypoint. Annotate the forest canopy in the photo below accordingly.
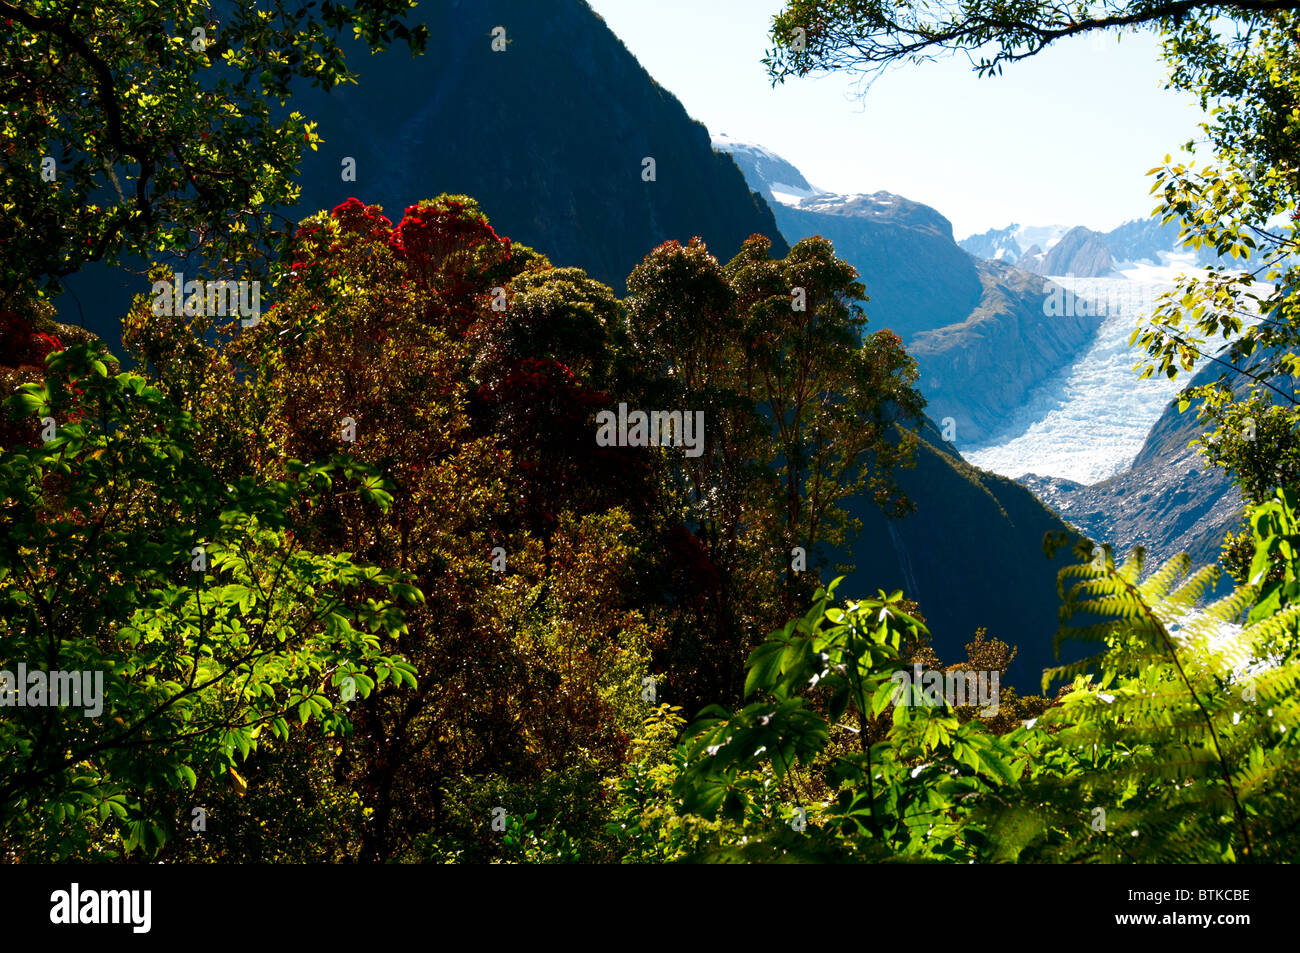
(335, 566)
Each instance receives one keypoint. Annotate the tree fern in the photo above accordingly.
(1176, 741)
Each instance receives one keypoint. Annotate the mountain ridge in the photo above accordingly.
(980, 330)
(1082, 252)
(558, 166)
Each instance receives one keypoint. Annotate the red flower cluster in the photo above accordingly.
(446, 239)
(541, 373)
(361, 219)
(23, 347)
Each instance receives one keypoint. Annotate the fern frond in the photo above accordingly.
(1131, 568)
(1184, 599)
(1160, 582)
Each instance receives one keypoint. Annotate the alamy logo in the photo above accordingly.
(954, 688)
(1117, 297)
(102, 906)
(210, 298)
(40, 689)
(657, 428)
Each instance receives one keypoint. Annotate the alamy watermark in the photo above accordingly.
(35, 688)
(76, 906)
(211, 298)
(656, 428)
(1119, 297)
(957, 688)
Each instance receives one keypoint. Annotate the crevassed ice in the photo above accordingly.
(1089, 420)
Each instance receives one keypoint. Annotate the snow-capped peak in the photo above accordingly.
(767, 172)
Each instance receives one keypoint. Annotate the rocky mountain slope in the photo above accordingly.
(979, 329)
(971, 556)
(1080, 252)
(551, 136)
(1010, 243)
(978, 369)
(1167, 501)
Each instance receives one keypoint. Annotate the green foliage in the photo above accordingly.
(482, 438)
(803, 414)
(1176, 742)
(813, 679)
(1174, 739)
(555, 818)
(648, 821)
(165, 124)
(1173, 743)
(1244, 206)
(868, 37)
(211, 626)
(1276, 539)
(281, 806)
(170, 537)
(1254, 439)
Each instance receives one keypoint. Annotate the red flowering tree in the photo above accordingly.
(452, 254)
(29, 335)
(383, 343)
(557, 573)
(546, 364)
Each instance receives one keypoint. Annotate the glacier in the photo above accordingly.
(1089, 420)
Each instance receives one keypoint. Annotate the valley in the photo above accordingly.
(578, 432)
(1087, 421)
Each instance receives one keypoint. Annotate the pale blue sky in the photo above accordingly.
(1064, 137)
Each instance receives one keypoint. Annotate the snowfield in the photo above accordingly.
(1089, 420)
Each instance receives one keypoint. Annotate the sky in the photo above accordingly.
(1062, 138)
